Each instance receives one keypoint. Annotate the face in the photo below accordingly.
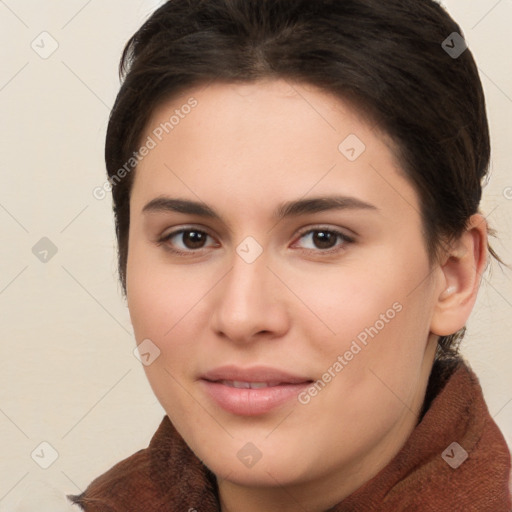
(277, 262)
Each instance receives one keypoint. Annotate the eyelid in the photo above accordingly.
(187, 227)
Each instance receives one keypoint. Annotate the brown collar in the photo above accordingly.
(423, 476)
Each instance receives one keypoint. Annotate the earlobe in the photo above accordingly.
(461, 271)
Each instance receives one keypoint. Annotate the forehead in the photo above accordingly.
(266, 140)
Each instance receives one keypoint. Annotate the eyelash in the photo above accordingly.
(346, 240)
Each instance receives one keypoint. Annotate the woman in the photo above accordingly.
(296, 188)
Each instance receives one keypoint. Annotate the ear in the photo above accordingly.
(461, 270)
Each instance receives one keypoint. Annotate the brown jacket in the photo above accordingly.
(428, 474)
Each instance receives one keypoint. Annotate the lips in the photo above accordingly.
(251, 391)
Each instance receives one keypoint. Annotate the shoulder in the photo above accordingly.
(164, 476)
(127, 483)
(130, 484)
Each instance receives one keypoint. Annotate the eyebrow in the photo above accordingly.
(285, 210)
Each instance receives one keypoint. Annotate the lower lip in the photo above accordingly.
(251, 402)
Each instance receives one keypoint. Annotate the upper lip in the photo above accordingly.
(253, 374)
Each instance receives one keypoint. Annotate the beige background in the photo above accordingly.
(68, 376)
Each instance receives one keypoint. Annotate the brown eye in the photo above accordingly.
(325, 240)
(185, 240)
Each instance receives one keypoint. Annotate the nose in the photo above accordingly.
(250, 303)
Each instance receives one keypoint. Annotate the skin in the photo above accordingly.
(244, 150)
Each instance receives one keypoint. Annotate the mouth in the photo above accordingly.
(251, 391)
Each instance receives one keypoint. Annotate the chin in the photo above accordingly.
(260, 475)
(270, 465)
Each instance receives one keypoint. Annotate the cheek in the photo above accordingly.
(371, 368)
(375, 315)
(166, 316)
(158, 294)
(348, 302)
(167, 306)
(158, 312)
(148, 304)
